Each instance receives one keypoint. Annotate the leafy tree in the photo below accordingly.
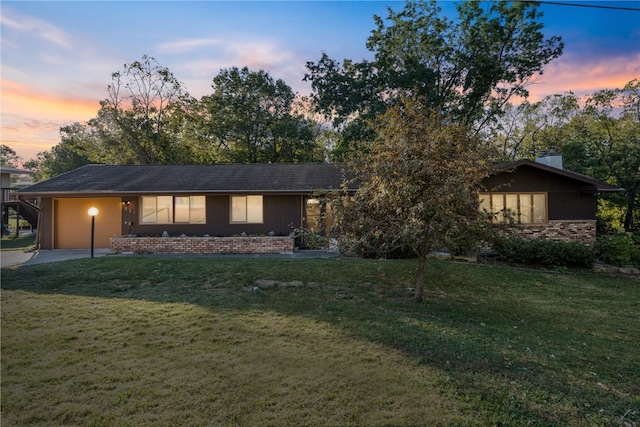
(468, 68)
(136, 123)
(525, 130)
(418, 185)
(249, 118)
(9, 157)
(598, 135)
(612, 144)
(60, 159)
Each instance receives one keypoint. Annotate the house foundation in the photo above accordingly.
(203, 245)
(576, 231)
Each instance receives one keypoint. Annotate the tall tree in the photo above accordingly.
(526, 129)
(136, 122)
(9, 157)
(598, 135)
(611, 140)
(249, 118)
(468, 68)
(418, 184)
(60, 159)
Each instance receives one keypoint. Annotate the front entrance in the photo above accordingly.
(72, 223)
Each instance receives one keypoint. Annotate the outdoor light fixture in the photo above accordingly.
(92, 213)
(126, 205)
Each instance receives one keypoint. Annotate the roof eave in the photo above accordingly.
(112, 193)
(610, 190)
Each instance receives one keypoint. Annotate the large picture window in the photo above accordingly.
(246, 210)
(170, 209)
(519, 208)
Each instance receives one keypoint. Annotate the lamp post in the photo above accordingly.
(92, 213)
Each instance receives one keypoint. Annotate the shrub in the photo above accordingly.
(545, 253)
(618, 249)
(374, 248)
(309, 239)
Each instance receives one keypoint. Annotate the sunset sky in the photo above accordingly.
(57, 57)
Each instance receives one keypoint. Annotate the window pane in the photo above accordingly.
(238, 209)
(497, 204)
(148, 210)
(164, 209)
(197, 211)
(525, 209)
(254, 209)
(485, 203)
(313, 215)
(511, 214)
(539, 209)
(181, 205)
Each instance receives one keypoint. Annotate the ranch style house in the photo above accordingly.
(253, 208)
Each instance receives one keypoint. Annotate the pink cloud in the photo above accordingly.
(31, 119)
(28, 137)
(585, 77)
(21, 99)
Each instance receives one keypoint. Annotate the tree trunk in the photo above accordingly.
(628, 217)
(418, 296)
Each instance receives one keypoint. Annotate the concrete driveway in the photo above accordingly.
(16, 258)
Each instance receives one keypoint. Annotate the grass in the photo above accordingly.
(214, 341)
(12, 243)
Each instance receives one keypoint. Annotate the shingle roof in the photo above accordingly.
(217, 178)
(299, 178)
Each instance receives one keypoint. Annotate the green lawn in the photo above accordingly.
(213, 341)
(13, 243)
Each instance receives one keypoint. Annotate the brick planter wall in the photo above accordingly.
(203, 245)
(583, 231)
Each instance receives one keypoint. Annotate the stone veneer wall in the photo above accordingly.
(583, 231)
(203, 245)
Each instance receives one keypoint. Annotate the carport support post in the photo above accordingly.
(92, 213)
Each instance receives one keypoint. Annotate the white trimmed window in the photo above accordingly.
(246, 210)
(519, 208)
(170, 209)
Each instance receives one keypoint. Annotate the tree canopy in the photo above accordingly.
(149, 117)
(134, 123)
(418, 185)
(60, 159)
(249, 118)
(8, 156)
(467, 68)
(598, 135)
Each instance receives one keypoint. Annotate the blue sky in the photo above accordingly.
(57, 57)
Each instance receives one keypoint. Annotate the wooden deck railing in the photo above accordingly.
(11, 195)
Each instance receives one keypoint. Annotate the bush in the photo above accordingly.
(372, 248)
(618, 249)
(310, 240)
(547, 253)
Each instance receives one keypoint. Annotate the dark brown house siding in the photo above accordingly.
(566, 199)
(280, 212)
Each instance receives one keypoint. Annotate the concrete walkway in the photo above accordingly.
(17, 258)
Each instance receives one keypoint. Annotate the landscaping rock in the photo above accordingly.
(266, 284)
(630, 270)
